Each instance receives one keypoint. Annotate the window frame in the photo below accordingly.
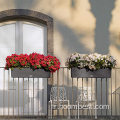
(31, 16)
(19, 34)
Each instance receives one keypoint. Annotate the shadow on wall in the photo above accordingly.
(71, 40)
(24, 4)
(102, 11)
(73, 3)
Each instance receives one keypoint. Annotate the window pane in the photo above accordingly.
(7, 42)
(34, 39)
(7, 47)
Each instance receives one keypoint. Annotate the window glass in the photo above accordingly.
(33, 39)
(7, 42)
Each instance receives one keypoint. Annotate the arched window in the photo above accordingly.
(25, 31)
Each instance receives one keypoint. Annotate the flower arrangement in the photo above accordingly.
(33, 61)
(93, 61)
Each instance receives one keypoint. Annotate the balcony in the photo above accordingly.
(59, 96)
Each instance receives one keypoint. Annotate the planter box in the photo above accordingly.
(83, 73)
(29, 73)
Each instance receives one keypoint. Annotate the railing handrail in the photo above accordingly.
(67, 67)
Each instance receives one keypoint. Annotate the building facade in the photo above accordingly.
(60, 28)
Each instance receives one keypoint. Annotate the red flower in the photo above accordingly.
(34, 61)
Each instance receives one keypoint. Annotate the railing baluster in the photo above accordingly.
(82, 98)
(96, 100)
(51, 114)
(33, 96)
(3, 91)
(119, 104)
(101, 95)
(57, 92)
(18, 97)
(13, 96)
(77, 96)
(111, 96)
(72, 96)
(91, 96)
(87, 96)
(115, 94)
(106, 95)
(38, 97)
(63, 91)
(23, 96)
(68, 86)
(28, 96)
(8, 89)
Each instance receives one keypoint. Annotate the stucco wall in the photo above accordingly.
(84, 26)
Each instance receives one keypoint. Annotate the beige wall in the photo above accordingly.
(79, 25)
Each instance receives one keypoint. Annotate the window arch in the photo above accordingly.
(33, 16)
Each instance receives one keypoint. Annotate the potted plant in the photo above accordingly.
(33, 65)
(90, 65)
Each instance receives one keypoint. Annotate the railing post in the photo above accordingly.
(3, 90)
(111, 97)
(101, 95)
(68, 86)
(23, 96)
(115, 94)
(38, 97)
(58, 93)
(33, 96)
(63, 91)
(28, 96)
(106, 95)
(72, 96)
(18, 97)
(96, 101)
(13, 96)
(8, 89)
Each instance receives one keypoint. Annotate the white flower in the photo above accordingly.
(91, 61)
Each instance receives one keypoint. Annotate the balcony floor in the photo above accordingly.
(60, 118)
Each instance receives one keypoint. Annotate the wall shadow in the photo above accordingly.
(71, 40)
(102, 11)
(24, 4)
(73, 3)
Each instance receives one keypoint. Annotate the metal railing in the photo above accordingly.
(31, 97)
